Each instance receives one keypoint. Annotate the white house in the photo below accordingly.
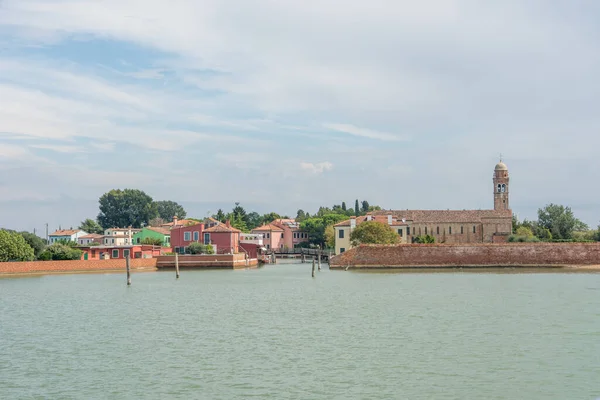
(66, 234)
(119, 236)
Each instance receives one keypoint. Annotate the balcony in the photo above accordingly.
(252, 238)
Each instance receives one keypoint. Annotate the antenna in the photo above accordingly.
(500, 157)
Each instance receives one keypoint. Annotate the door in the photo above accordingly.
(85, 256)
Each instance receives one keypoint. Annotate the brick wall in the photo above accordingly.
(445, 255)
(227, 261)
(74, 265)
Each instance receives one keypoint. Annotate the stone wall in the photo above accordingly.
(74, 266)
(470, 255)
(227, 261)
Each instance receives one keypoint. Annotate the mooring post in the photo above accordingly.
(313, 268)
(303, 258)
(319, 256)
(128, 271)
(176, 266)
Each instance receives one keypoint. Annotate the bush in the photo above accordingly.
(199, 248)
(523, 239)
(59, 251)
(426, 239)
(153, 241)
(13, 247)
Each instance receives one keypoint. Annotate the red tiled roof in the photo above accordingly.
(268, 227)
(182, 222)
(92, 236)
(444, 216)
(222, 228)
(65, 232)
(161, 230)
(382, 219)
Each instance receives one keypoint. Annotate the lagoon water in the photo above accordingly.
(276, 333)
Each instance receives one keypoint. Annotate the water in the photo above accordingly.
(277, 333)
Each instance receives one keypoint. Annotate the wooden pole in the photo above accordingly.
(176, 266)
(128, 271)
(313, 268)
(319, 257)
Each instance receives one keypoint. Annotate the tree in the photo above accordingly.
(270, 217)
(329, 237)
(37, 243)
(124, 208)
(154, 241)
(559, 220)
(59, 251)
(168, 209)
(315, 227)
(373, 232)
(343, 206)
(524, 231)
(238, 222)
(91, 226)
(300, 216)
(365, 207)
(598, 234)
(253, 220)
(220, 216)
(13, 247)
(356, 208)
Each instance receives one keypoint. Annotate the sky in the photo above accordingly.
(281, 105)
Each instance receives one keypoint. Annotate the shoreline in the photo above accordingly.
(82, 271)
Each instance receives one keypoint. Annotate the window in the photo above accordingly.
(187, 236)
(438, 230)
(281, 245)
(126, 241)
(125, 253)
(196, 236)
(176, 249)
(503, 187)
(408, 231)
(294, 235)
(115, 253)
(138, 240)
(207, 238)
(474, 229)
(168, 239)
(268, 235)
(400, 232)
(113, 241)
(282, 235)
(450, 230)
(426, 230)
(499, 188)
(342, 249)
(341, 234)
(268, 247)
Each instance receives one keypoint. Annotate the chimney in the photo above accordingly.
(228, 224)
(389, 219)
(369, 217)
(174, 220)
(352, 223)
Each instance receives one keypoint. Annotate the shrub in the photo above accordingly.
(425, 239)
(59, 251)
(199, 248)
(523, 239)
(153, 241)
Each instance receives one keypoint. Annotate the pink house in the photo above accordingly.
(282, 233)
(182, 236)
(224, 238)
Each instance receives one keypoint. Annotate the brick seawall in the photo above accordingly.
(209, 261)
(30, 267)
(470, 255)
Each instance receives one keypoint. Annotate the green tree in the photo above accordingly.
(238, 222)
(220, 216)
(59, 251)
(316, 226)
(356, 208)
(524, 231)
(343, 206)
(253, 220)
(270, 217)
(153, 241)
(365, 207)
(598, 234)
(329, 237)
(559, 220)
(91, 226)
(37, 243)
(300, 216)
(124, 208)
(13, 247)
(373, 232)
(168, 209)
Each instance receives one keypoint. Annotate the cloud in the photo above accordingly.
(316, 168)
(59, 148)
(366, 133)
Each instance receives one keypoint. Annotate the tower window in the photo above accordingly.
(426, 230)
(450, 230)
(503, 188)
(474, 229)
(499, 188)
(462, 230)
(438, 230)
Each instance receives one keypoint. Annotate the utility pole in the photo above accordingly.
(47, 233)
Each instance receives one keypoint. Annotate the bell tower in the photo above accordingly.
(501, 180)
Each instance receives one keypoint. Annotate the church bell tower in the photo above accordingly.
(501, 180)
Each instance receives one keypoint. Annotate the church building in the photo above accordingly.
(446, 226)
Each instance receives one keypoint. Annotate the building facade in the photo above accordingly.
(157, 233)
(281, 234)
(68, 235)
(119, 236)
(446, 226)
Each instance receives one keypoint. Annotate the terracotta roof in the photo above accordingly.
(268, 227)
(161, 230)
(182, 222)
(383, 219)
(92, 236)
(186, 226)
(65, 232)
(445, 216)
(222, 228)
